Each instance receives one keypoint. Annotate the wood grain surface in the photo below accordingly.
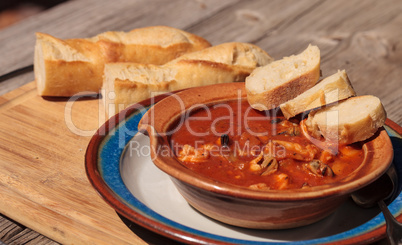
(46, 182)
(362, 37)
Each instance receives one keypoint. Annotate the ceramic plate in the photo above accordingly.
(120, 168)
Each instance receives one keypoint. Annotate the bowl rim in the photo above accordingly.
(111, 196)
(175, 169)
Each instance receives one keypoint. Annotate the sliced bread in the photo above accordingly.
(128, 83)
(70, 66)
(282, 80)
(352, 120)
(331, 89)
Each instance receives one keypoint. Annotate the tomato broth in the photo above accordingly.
(233, 143)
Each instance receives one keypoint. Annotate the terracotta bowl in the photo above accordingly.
(239, 206)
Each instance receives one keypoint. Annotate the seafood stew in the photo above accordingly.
(232, 143)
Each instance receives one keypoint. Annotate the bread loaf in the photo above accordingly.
(331, 89)
(282, 80)
(67, 67)
(352, 120)
(128, 83)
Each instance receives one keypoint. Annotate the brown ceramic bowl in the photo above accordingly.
(239, 206)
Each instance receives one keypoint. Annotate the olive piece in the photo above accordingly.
(225, 140)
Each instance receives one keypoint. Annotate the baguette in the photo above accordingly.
(355, 119)
(282, 80)
(67, 67)
(128, 83)
(331, 89)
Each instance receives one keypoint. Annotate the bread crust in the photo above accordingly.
(224, 63)
(67, 67)
(127, 91)
(269, 86)
(345, 123)
(68, 82)
(273, 98)
(194, 73)
(331, 89)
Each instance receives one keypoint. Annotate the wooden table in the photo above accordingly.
(363, 37)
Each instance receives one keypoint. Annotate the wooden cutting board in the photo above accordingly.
(43, 184)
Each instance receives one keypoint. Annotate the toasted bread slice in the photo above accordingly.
(282, 80)
(331, 89)
(352, 120)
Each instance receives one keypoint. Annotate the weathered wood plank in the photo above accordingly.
(365, 45)
(250, 21)
(91, 17)
(14, 233)
(362, 37)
